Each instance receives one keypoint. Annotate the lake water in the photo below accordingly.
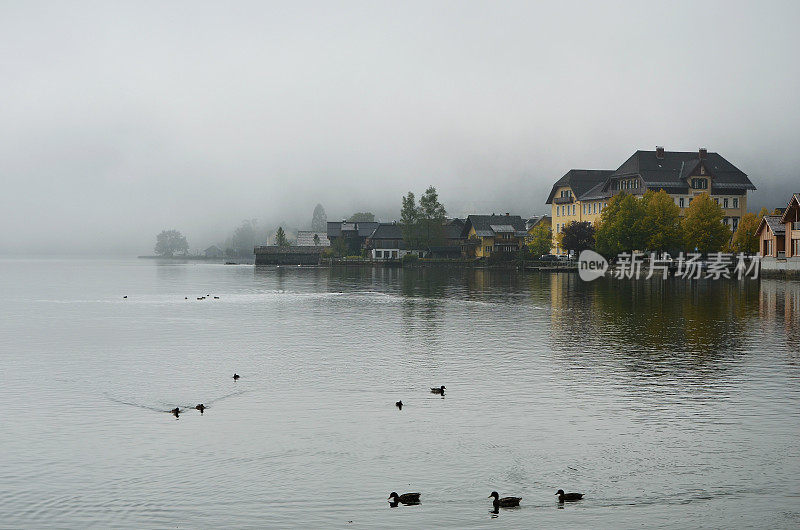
(673, 404)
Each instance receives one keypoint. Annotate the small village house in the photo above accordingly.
(386, 242)
(484, 235)
(534, 222)
(791, 222)
(779, 235)
(771, 240)
(355, 234)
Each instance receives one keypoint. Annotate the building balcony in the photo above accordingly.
(563, 200)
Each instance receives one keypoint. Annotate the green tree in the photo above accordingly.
(362, 217)
(170, 242)
(316, 240)
(621, 227)
(280, 238)
(703, 228)
(745, 238)
(339, 247)
(319, 220)
(662, 222)
(541, 240)
(431, 218)
(577, 236)
(409, 217)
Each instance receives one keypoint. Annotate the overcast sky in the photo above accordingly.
(120, 119)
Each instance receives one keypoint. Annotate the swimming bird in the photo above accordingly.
(569, 497)
(505, 502)
(405, 498)
(439, 390)
(399, 405)
(235, 377)
(126, 296)
(201, 408)
(176, 411)
(185, 297)
(216, 298)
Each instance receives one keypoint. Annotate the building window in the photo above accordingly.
(690, 200)
(795, 247)
(725, 202)
(716, 200)
(768, 247)
(487, 250)
(573, 209)
(735, 221)
(735, 202)
(699, 184)
(680, 202)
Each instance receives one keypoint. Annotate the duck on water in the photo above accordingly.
(504, 502)
(406, 498)
(439, 390)
(568, 497)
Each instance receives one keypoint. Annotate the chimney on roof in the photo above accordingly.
(659, 152)
(702, 153)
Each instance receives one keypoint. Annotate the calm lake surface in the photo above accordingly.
(671, 404)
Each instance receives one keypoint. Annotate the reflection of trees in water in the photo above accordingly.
(423, 310)
(690, 323)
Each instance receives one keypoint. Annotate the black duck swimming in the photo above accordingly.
(504, 502)
(568, 497)
(405, 498)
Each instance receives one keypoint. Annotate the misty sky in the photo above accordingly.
(120, 119)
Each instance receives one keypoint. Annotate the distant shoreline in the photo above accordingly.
(227, 261)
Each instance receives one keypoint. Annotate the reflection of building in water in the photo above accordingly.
(780, 300)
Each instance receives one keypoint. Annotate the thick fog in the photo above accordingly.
(118, 120)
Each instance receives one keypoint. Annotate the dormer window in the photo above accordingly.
(699, 184)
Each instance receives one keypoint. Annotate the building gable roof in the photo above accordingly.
(483, 224)
(363, 229)
(334, 228)
(672, 170)
(387, 231)
(774, 224)
(580, 181)
(793, 205)
(305, 238)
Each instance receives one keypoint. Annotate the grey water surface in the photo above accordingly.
(669, 404)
